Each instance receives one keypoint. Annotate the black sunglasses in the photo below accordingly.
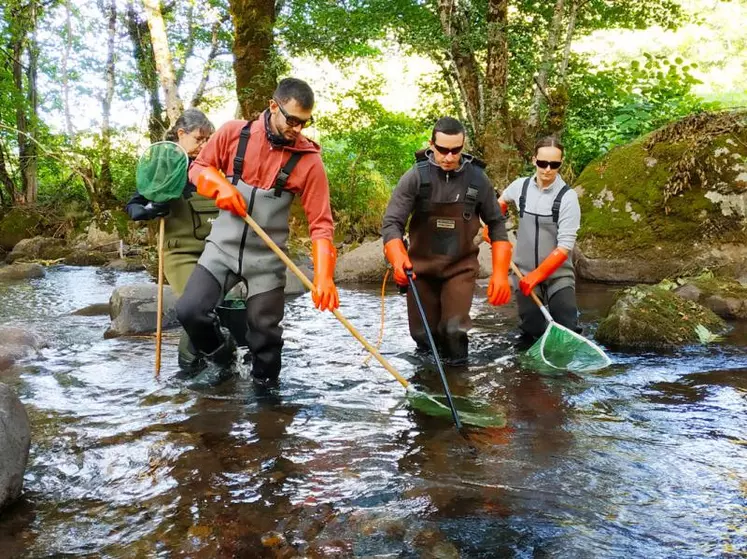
(445, 151)
(542, 164)
(294, 121)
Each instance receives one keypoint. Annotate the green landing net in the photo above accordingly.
(471, 412)
(162, 172)
(562, 348)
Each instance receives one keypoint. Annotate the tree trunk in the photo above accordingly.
(64, 72)
(545, 66)
(5, 179)
(466, 69)
(146, 74)
(164, 63)
(21, 120)
(104, 183)
(30, 175)
(496, 138)
(568, 41)
(200, 91)
(255, 61)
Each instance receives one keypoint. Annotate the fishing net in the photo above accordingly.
(471, 412)
(162, 172)
(562, 348)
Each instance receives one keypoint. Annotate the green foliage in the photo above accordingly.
(612, 106)
(366, 150)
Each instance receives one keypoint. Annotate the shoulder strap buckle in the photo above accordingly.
(282, 177)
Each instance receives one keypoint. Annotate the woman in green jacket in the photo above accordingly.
(188, 220)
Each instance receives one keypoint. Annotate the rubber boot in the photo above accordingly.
(187, 356)
(216, 367)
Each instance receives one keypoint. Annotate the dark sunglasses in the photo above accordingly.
(542, 164)
(446, 151)
(294, 121)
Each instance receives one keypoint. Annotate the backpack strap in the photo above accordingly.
(238, 160)
(556, 203)
(523, 197)
(423, 198)
(285, 171)
(473, 191)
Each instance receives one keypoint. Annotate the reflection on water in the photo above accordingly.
(645, 459)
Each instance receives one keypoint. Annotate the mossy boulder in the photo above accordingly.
(668, 203)
(647, 316)
(20, 223)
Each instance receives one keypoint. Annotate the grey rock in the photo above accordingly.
(20, 271)
(125, 265)
(16, 344)
(133, 308)
(689, 292)
(38, 248)
(15, 440)
(364, 264)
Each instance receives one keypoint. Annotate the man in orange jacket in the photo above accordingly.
(444, 196)
(266, 163)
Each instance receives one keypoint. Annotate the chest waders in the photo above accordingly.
(444, 258)
(187, 226)
(234, 253)
(536, 238)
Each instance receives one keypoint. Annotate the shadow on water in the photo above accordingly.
(644, 459)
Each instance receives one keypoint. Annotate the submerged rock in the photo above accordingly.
(655, 317)
(15, 440)
(16, 344)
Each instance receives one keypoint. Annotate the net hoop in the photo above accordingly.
(598, 350)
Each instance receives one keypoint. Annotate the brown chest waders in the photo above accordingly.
(444, 258)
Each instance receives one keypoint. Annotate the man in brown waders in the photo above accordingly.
(447, 193)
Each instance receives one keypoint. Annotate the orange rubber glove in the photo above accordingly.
(499, 290)
(504, 205)
(553, 261)
(212, 184)
(396, 253)
(324, 256)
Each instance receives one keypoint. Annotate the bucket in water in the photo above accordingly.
(232, 315)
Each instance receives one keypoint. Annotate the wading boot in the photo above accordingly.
(187, 357)
(214, 368)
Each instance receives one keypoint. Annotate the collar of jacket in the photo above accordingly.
(277, 140)
(465, 159)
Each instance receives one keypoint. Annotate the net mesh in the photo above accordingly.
(470, 411)
(562, 348)
(162, 172)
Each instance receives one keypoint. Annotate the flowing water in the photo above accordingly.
(645, 459)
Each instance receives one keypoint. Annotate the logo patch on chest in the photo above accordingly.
(445, 224)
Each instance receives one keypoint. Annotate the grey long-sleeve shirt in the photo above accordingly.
(540, 200)
(447, 187)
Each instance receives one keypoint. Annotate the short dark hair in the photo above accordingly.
(298, 90)
(189, 121)
(447, 125)
(548, 142)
